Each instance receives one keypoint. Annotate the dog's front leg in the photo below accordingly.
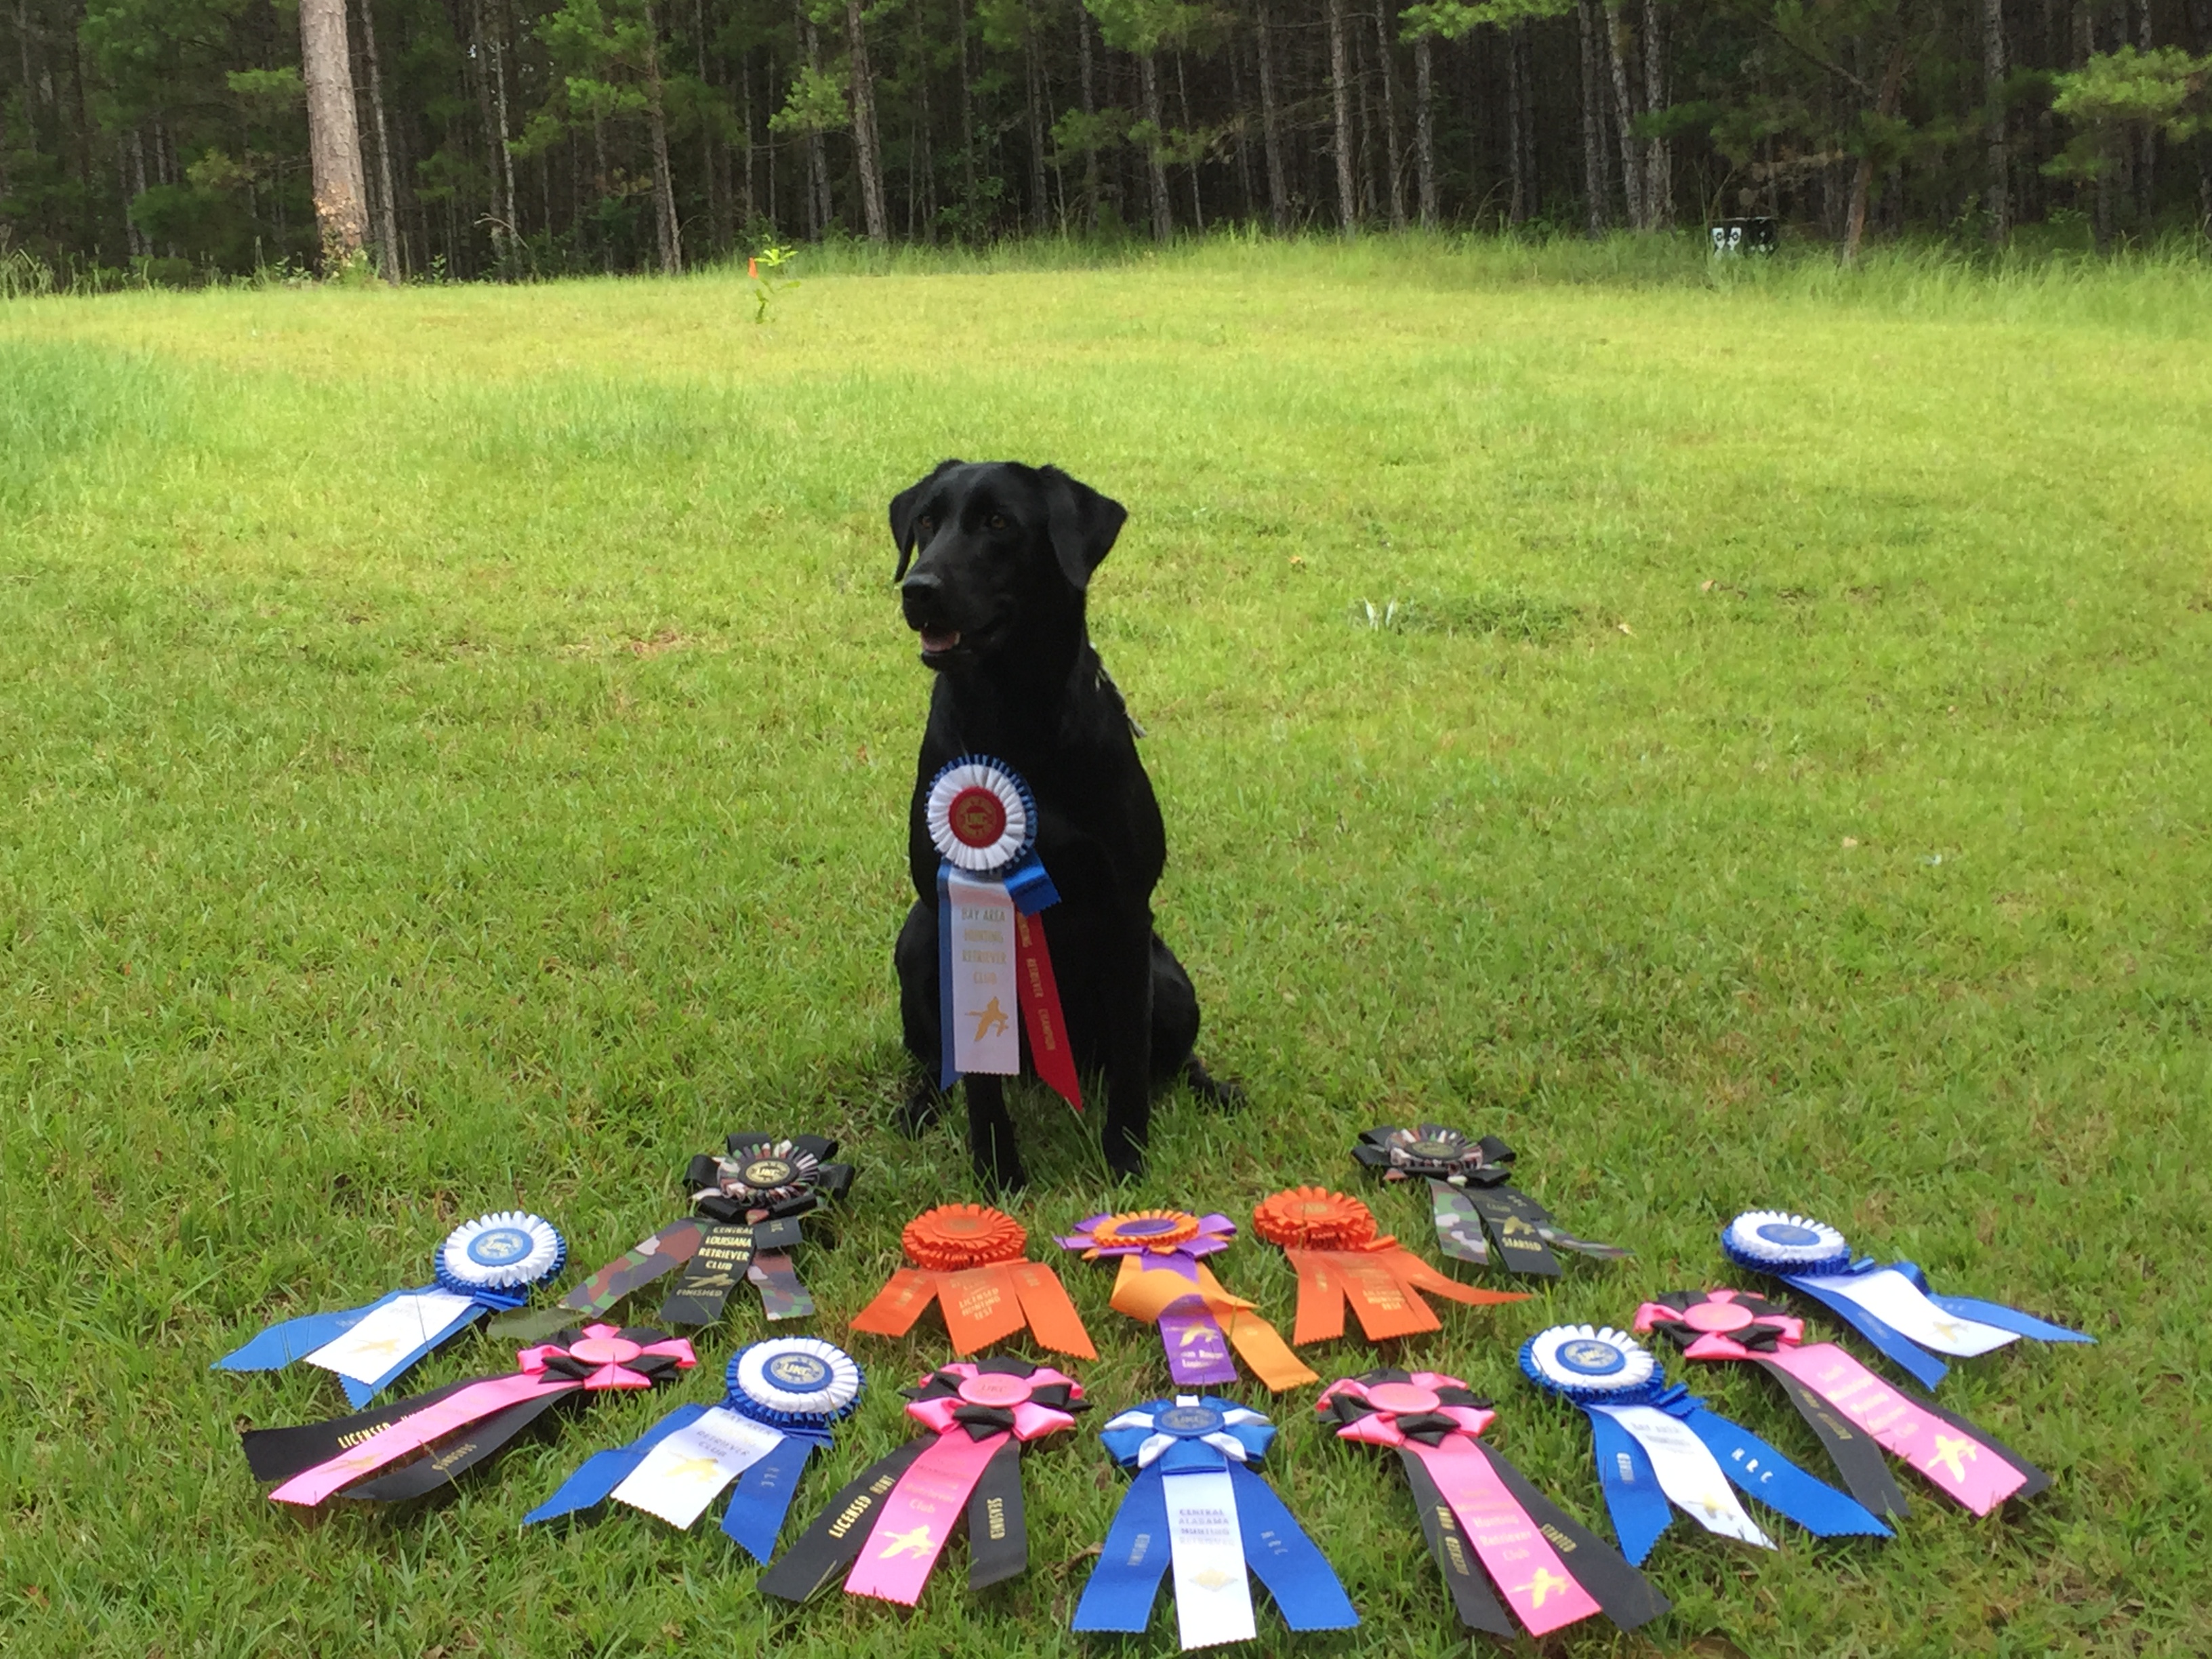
(1129, 1052)
(990, 1134)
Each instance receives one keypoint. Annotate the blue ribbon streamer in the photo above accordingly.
(1028, 885)
(1281, 1557)
(1134, 1556)
(1640, 1511)
(1764, 1473)
(291, 1339)
(1901, 1350)
(602, 1471)
(1992, 1313)
(946, 1075)
(763, 1494)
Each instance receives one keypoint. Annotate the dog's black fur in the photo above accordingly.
(1002, 556)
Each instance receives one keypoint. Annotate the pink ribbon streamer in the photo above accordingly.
(1520, 1560)
(413, 1432)
(918, 1517)
(1960, 1466)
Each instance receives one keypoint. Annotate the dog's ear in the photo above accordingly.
(1083, 525)
(902, 505)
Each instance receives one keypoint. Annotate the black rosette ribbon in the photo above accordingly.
(1470, 1188)
(753, 1195)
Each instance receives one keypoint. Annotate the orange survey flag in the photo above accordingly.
(1332, 1241)
(968, 1259)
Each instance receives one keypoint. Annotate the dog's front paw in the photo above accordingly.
(921, 1107)
(1216, 1094)
(1125, 1156)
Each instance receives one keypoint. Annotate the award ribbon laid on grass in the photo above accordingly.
(1161, 1282)
(1470, 1189)
(350, 1456)
(992, 956)
(1196, 1488)
(1333, 1242)
(968, 1259)
(892, 1522)
(490, 1264)
(1475, 1507)
(748, 1199)
(780, 1397)
(1889, 1305)
(1846, 1404)
(1660, 1448)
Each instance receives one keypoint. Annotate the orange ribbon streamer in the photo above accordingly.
(968, 1260)
(1333, 1242)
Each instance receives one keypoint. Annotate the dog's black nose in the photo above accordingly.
(920, 594)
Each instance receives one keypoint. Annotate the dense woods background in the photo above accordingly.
(520, 137)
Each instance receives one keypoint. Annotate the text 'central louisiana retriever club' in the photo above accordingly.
(1002, 556)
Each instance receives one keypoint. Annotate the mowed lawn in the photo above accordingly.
(1743, 742)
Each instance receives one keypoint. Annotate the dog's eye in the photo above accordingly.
(926, 525)
(998, 521)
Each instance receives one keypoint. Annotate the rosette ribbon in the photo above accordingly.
(748, 1197)
(457, 1426)
(968, 1259)
(992, 956)
(1847, 1406)
(487, 1264)
(1161, 1282)
(1196, 1488)
(891, 1524)
(780, 1397)
(1470, 1188)
(1332, 1241)
(1475, 1507)
(1661, 1449)
(1889, 1305)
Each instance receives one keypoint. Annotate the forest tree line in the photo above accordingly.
(468, 138)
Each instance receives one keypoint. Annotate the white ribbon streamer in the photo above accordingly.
(689, 1470)
(1688, 1473)
(1896, 1301)
(1213, 1599)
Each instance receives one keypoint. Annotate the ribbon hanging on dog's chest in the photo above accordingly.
(993, 961)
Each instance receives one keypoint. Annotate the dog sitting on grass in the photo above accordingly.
(1002, 556)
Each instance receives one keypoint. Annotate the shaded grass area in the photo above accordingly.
(1741, 741)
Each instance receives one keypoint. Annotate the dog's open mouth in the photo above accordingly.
(936, 641)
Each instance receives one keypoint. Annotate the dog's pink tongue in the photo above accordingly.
(937, 640)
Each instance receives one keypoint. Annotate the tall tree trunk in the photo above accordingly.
(2200, 30)
(1089, 111)
(1242, 129)
(1993, 76)
(1424, 129)
(140, 247)
(495, 137)
(333, 136)
(1365, 163)
(714, 164)
(1155, 170)
(506, 126)
(1618, 46)
(663, 182)
(1182, 102)
(2146, 156)
(816, 167)
(1893, 85)
(1033, 62)
(1340, 79)
(1597, 187)
(969, 214)
(1271, 124)
(866, 156)
(392, 258)
(1393, 151)
(1659, 151)
(747, 204)
(1516, 123)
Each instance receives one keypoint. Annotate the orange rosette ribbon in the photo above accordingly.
(968, 1259)
(1333, 1241)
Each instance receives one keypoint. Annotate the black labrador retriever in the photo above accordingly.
(1002, 556)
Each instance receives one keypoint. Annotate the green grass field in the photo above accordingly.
(454, 753)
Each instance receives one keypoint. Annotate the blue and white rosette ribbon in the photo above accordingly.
(1659, 1448)
(781, 1395)
(1195, 1488)
(490, 1264)
(1890, 1305)
(993, 964)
